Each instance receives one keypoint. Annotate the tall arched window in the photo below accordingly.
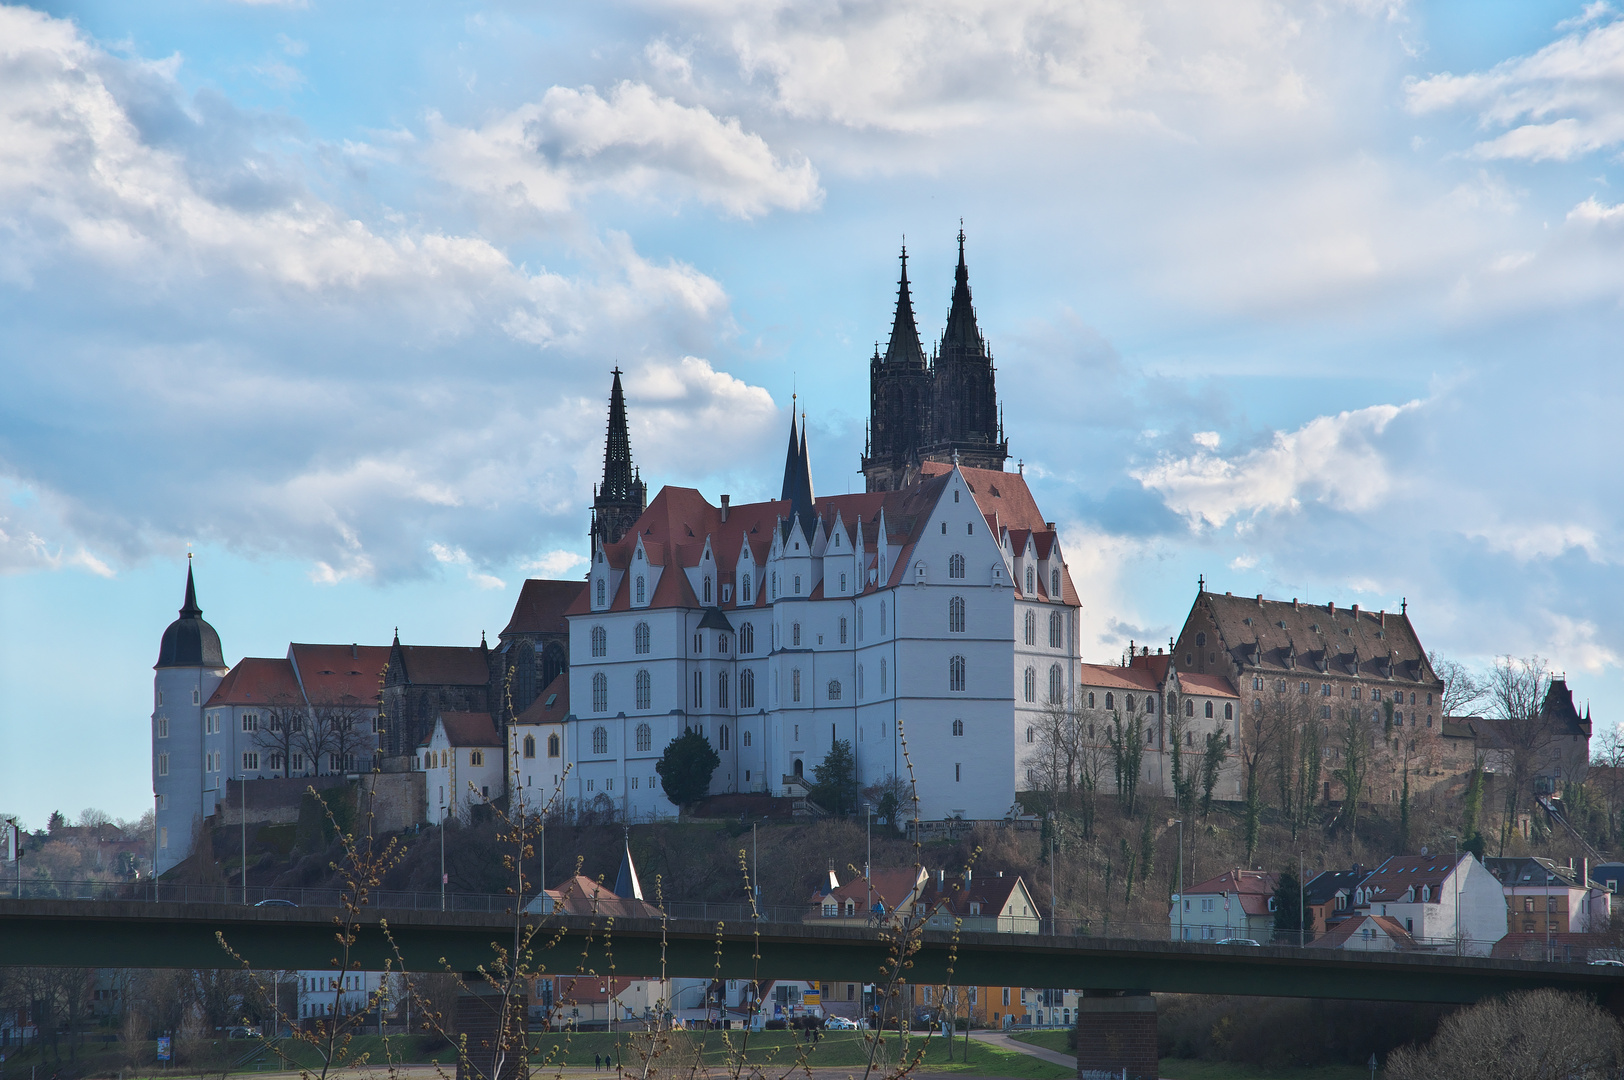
(882, 675)
(1031, 684)
(747, 639)
(642, 589)
(795, 633)
(600, 641)
(1055, 630)
(795, 685)
(955, 566)
(859, 682)
(955, 673)
(529, 746)
(721, 690)
(747, 690)
(859, 624)
(747, 738)
(1110, 700)
(699, 690)
(958, 727)
(1201, 641)
(1189, 707)
(554, 746)
(1031, 582)
(1128, 707)
(600, 692)
(1031, 628)
(1031, 735)
(1056, 689)
(1209, 710)
(707, 589)
(645, 738)
(722, 736)
(882, 618)
(1054, 583)
(1091, 699)
(600, 740)
(600, 592)
(644, 690)
(955, 615)
(1229, 710)
(744, 589)
(640, 637)
(834, 689)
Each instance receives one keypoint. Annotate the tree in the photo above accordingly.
(1533, 1035)
(280, 735)
(1288, 909)
(1257, 737)
(1184, 775)
(1127, 743)
(686, 766)
(1212, 760)
(1355, 747)
(1462, 689)
(1516, 692)
(1404, 813)
(1052, 751)
(1311, 761)
(834, 779)
(1147, 848)
(888, 796)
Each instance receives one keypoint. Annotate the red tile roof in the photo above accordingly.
(1254, 887)
(892, 887)
(1113, 676)
(1338, 936)
(541, 606)
(986, 889)
(551, 705)
(1392, 879)
(580, 895)
(469, 729)
(258, 680)
(340, 675)
(1206, 685)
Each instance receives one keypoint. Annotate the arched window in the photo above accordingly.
(1031, 628)
(642, 589)
(1257, 704)
(882, 618)
(600, 592)
(1189, 707)
(955, 566)
(723, 737)
(958, 727)
(1201, 641)
(882, 675)
(1031, 582)
(600, 740)
(600, 641)
(600, 692)
(1091, 699)
(795, 634)
(1209, 710)
(1229, 710)
(699, 690)
(1056, 691)
(707, 589)
(795, 685)
(1110, 701)
(744, 589)
(955, 615)
(747, 639)
(1055, 631)
(721, 690)
(747, 738)
(834, 689)
(1031, 684)
(529, 746)
(1129, 705)
(860, 682)
(859, 624)
(645, 738)
(640, 637)
(747, 690)
(553, 746)
(644, 690)
(1054, 583)
(1031, 736)
(955, 673)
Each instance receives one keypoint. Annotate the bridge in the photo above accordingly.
(138, 934)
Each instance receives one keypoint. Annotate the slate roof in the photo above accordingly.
(1390, 881)
(336, 675)
(469, 729)
(541, 606)
(1287, 636)
(1533, 872)
(1253, 887)
(986, 888)
(258, 680)
(189, 641)
(551, 705)
(1324, 886)
(445, 665)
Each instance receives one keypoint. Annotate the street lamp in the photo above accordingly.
(868, 863)
(442, 858)
(1180, 905)
(1454, 872)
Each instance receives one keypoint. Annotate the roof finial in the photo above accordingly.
(1201, 583)
(955, 457)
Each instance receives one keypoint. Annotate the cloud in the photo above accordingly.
(549, 155)
(458, 557)
(555, 564)
(1331, 459)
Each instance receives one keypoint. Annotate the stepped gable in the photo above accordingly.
(339, 674)
(541, 606)
(1289, 636)
(469, 729)
(258, 680)
(551, 705)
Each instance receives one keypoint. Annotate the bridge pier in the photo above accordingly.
(478, 1011)
(1116, 1031)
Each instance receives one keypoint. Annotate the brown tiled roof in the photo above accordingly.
(1337, 937)
(891, 886)
(470, 729)
(580, 895)
(1114, 676)
(986, 888)
(1253, 887)
(1390, 880)
(340, 674)
(1572, 947)
(1288, 636)
(445, 665)
(541, 606)
(1206, 685)
(552, 704)
(1459, 727)
(258, 680)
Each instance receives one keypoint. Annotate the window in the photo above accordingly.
(1189, 707)
(699, 690)
(600, 692)
(955, 673)
(955, 566)
(600, 641)
(1110, 700)
(958, 728)
(955, 615)
(1150, 736)
(1325, 712)
(834, 689)
(195, 698)
(1054, 629)
(163, 727)
(1031, 735)
(476, 757)
(747, 638)
(795, 685)
(957, 772)
(1128, 705)
(795, 634)
(797, 581)
(1257, 682)
(163, 764)
(553, 746)
(600, 740)
(1325, 689)
(747, 691)
(600, 592)
(882, 675)
(699, 644)
(744, 589)
(1054, 582)
(1031, 628)
(859, 624)
(1209, 710)
(1031, 686)
(640, 638)
(721, 690)
(1280, 686)
(707, 589)
(250, 721)
(1031, 582)
(529, 746)
(1229, 710)
(882, 618)
(642, 589)
(843, 627)
(1056, 690)
(645, 692)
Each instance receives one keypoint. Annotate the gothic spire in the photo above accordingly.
(797, 489)
(190, 610)
(617, 448)
(904, 347)
(792, 467)
(962, 335)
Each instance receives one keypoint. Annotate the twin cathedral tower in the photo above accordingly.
(942, 408)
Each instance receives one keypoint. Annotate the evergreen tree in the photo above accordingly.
(834, 779)
(1404, 813)
(1127, 742)
(686, 767)
(1288, 904)
(1211, 761)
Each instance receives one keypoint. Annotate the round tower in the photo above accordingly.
(190, 665)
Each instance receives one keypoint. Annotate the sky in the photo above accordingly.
(1316, 300)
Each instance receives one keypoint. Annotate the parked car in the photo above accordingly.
(840, 1023)
(1607, 963)
(1239, 941)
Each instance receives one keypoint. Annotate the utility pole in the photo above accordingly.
(868, 863)
(1054, 850)
(1180, 902)
(755, 882)
(242, 783)
(1302, 903)
(442, 858)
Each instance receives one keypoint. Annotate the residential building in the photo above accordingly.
(1366, 933)
(1442, 901)
(1235, 904)
(323, 994)
(986, 902)
(1328, 899)
(463, 765)
(1543, 897)
(536, 749)
(884, 894)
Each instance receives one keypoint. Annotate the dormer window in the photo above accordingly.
(641, 590)
(727, 594)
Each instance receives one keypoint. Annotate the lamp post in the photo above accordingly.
(868, 863)
(442, 858)
(1180, 823)
(1454, 873)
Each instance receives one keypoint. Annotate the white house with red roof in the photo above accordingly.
(1438, 900)
(1236, 904)
(463, 765)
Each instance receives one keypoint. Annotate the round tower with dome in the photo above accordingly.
(190, 665)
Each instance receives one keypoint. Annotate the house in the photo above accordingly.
(1543, 897)
(536, 750)
(1236, 904)
(1558, 948)
(987, 901)
(599, 1002)
(462, 763)
(1442, 900)
(887, 893)
(1328, 899)
(580, 895)
(1366, 933)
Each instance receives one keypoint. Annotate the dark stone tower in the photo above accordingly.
(965, 425)
(622, 497)
(899, 398)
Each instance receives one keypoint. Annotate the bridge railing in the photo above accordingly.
(732, 914)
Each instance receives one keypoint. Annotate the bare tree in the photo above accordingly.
(335, 736)
(1056, 750)
(1127, 742)
(1516, 693)
(1534, 1035)
(281, 734)
(1259, 730)
(1462, 689)
(1354, 744)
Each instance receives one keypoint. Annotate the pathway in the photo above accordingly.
(1004, 1042)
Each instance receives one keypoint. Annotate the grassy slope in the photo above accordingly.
(1185, 1069)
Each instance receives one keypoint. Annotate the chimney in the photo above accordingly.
(725, 500)
(1049, 525)
(1294, 603)
(1381, 616)
(353, 654)
(1356, 611)
(1331, 607)
(1259, 599)
(967, 877)
(941, 880)
(1000, 873)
